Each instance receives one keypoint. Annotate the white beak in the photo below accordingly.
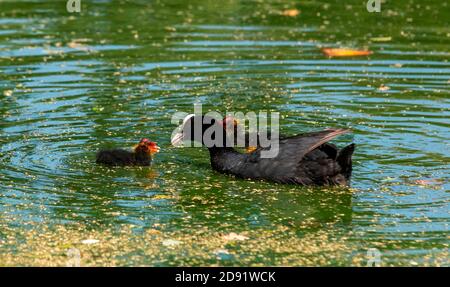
(177, 137)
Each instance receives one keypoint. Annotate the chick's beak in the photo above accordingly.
(154, 149)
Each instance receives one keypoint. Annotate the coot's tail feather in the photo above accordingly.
(345, 160)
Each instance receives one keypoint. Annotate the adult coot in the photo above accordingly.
(304, 159)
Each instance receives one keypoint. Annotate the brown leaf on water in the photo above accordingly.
(152, 231)
(383, 88)
(428, 182)
(344, 52)
(77, 44)
(397, 65)
(291, 12)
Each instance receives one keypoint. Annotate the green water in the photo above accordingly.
(73, 83)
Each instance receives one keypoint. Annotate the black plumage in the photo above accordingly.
(304, 159)
(140, 156)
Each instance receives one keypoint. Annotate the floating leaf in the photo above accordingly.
(153, 231)
(427, 182)
(171, 242)
(234, 236)
(383, 88)
(397, 65)
(77, 44)
(381, 39)
(343, 52)
(90, 241)
(7, 93)
(291, 12)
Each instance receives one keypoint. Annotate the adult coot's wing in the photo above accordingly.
(293, 149)
(316, 139)
(283, 167)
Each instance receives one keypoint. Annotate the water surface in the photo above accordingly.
(74, 83)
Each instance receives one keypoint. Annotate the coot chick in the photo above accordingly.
(140, 156)
(296, 161)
